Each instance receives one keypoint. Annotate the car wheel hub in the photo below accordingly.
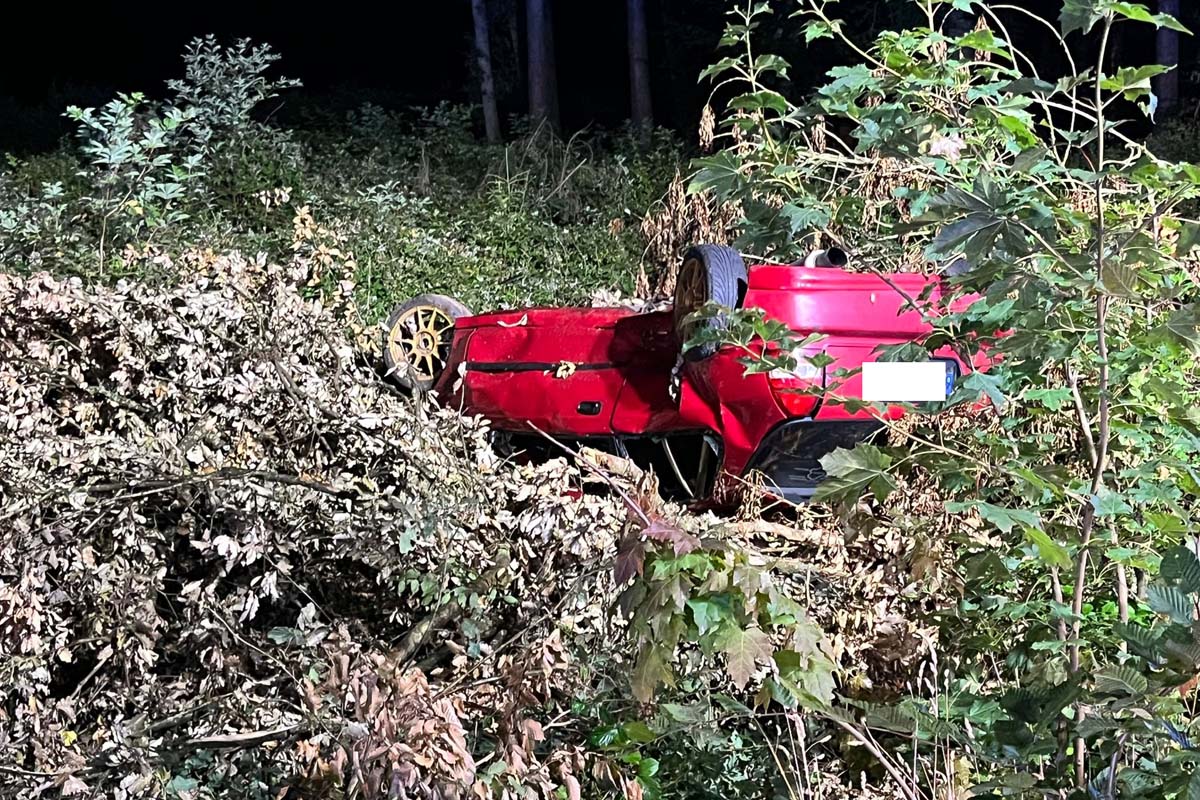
(420, 339)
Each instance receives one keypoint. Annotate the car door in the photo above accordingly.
(548, 369)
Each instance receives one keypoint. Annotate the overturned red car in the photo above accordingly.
(622, 380)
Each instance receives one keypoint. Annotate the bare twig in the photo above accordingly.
(630, 503)
(1088, 513)
(235, 741)
(885, 760)
(1085, 424)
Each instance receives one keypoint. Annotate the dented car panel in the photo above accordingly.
(742, 406)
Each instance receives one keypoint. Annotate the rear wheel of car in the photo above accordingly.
(417, 338)
(710, 273)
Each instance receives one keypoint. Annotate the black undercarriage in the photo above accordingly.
(786, 463)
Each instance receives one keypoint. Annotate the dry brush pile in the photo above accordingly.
(232, 553)
(205, 490)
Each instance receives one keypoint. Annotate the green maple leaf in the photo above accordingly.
(708, 612)
(1049, 550)
(1110, 504)
(1005, 519)
(851, 471)
(1080, 15)
(744, 648)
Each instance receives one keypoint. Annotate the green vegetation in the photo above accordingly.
(414, 197)
(1069, 507)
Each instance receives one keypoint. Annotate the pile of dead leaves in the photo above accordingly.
(207, 492)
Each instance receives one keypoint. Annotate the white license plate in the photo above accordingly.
(905, 381)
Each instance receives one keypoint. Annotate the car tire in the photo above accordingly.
(417, 337)
(709, 273)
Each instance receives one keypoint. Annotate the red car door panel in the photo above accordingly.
(577, 404)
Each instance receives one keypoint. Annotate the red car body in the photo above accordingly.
(613, 374)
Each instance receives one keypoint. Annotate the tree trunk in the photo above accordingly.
(483, 59)
(513, 9)
(551, 67)
(639, 68)
(1167, 87)
(535, 45)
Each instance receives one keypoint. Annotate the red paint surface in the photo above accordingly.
(550, 366)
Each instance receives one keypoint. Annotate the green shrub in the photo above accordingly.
(420, 202)
(246, 160)
(138, 168)
(35, 219)
(1057, 677)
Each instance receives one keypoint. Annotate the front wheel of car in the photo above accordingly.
(710, 273)
(417, 338)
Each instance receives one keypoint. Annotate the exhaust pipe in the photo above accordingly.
(833, 257)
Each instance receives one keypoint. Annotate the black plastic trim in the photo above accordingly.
(532, 366)
(788, 457)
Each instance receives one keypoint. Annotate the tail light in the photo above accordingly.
(797, 392)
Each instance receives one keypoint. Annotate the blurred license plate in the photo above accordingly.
(907, 381)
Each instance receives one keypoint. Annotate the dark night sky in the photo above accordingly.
(403, 52)
(417, 45)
